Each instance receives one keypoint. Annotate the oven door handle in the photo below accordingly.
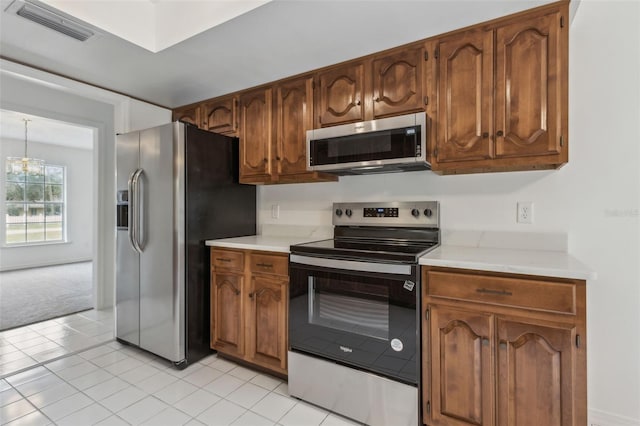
(351, 265)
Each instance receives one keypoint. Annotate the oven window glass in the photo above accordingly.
(349, 306)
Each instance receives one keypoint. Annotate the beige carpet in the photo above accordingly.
(38, 294)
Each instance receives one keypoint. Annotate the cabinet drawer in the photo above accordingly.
(227, 259)
(270, 264)
(542, 295)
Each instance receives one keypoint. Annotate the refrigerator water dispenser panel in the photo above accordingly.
(122, 210)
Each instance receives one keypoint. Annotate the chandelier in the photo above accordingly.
(25, 164)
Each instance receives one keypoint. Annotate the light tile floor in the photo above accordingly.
(113, 384)
(29, 346)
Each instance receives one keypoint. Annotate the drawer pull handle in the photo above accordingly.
(496, 292)
(222, 259)
(265, 265)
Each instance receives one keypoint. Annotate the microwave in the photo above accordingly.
(394, 144)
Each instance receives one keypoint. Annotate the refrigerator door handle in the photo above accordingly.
(140, 210)
(135, 209)
(131, 228)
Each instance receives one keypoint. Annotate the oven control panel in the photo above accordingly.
(380, 212)
(403, 213)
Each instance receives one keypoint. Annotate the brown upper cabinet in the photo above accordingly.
(221, 115)
(502, 96)
(188, 114)
(294, 116)
(256, 136)
(340, 95)
(397, 83)
(384, 85)
(273, 133)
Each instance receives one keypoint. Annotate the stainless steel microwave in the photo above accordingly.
(394, 144)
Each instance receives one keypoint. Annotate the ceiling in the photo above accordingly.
(155, 24)
(44, 130)
(278, 39)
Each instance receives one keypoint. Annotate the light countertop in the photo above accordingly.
(277, 243)
(529, 254)
(517, 261)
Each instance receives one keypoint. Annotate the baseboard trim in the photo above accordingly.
(604, 418)
(41, 264)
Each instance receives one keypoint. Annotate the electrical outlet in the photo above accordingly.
(525, 212)
(275, 211)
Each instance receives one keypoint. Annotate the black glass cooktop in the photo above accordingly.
(364, 249)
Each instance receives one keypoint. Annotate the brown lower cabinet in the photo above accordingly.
(503, 349)
(249, 291)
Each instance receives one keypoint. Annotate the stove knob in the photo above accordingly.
(415, 212)
(348, 212)
(338, 212)
(428, 212)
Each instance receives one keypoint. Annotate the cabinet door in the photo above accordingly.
(397, 83)
(528, 90)
(227, 313)
(256, 134)
(465, 97)
(341, 95)
(220, 115)
(294, 117)
(462, 390)
(267, 322)
(535, 375)
(189, 115)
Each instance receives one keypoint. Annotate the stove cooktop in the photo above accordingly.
(390, 232)
(365, 249)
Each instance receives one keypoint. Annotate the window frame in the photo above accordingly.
(25, 205)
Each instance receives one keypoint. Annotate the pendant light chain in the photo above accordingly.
(26, 122)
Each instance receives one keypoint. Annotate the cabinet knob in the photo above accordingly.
(265, 161)
(500, 133)
(358, 102)
(485, 135)
(377, 99)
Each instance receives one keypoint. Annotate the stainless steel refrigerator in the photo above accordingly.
(177, 186)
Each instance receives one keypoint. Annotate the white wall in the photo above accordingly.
(595, 198)
(79, 207)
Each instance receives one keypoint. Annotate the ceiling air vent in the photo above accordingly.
(51, 20)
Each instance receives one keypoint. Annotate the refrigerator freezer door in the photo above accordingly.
(162, 271)
(127, 310)
(127, 290)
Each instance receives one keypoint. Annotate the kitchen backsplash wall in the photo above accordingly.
(487, 202)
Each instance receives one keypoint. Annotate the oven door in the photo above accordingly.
(357, 313)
